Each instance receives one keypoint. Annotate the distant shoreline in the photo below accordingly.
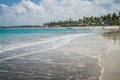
(111, 28)
(52, 27)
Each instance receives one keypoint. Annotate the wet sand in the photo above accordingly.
(92, 46)
(110, 57)
(77, 60)
(111, 61)
(69, 62)
(73, 61)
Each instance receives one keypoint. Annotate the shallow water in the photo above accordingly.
(51, 54)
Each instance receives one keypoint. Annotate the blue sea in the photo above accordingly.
(15, 38)
(29, 54)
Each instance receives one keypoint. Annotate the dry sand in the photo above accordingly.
(100, 27)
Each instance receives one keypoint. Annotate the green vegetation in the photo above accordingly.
(105, 20)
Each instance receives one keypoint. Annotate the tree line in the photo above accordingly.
(111, 19)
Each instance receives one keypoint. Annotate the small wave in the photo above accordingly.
(51, 43)
(100, 65)
(22, 45)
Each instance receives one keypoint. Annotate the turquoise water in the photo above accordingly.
(18, 33)
(25, 55)
(14, 38)
(26, 40)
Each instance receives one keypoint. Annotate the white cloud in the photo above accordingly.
(27, 12)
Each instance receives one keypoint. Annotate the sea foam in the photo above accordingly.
(32, 48)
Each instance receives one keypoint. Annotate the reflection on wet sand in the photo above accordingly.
(115, 36)
(111, 61)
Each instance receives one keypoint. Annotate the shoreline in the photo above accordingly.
(103, 59)
(76, 50)
(93, 47)
(110, 61)
(96, 27)
(100, 65)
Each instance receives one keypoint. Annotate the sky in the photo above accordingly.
(37, 12)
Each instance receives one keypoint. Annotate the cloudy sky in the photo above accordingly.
(36, 12)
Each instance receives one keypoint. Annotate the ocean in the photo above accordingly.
(49, 54)
(15, 38)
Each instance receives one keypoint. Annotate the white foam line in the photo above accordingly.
(54, 47)
(71, 37)
(21, 55)
(98, 57)
(41, 42)
(25, 46)
(4, 71)
(99, 63)
(31, 44)
(102, 71)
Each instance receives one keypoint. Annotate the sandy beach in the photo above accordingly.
(85, 56)
(109, 56)
(59, 39)
(91, 46)
(112, 28)
(111, 61)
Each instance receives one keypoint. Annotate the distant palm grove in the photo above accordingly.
(105, 20)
